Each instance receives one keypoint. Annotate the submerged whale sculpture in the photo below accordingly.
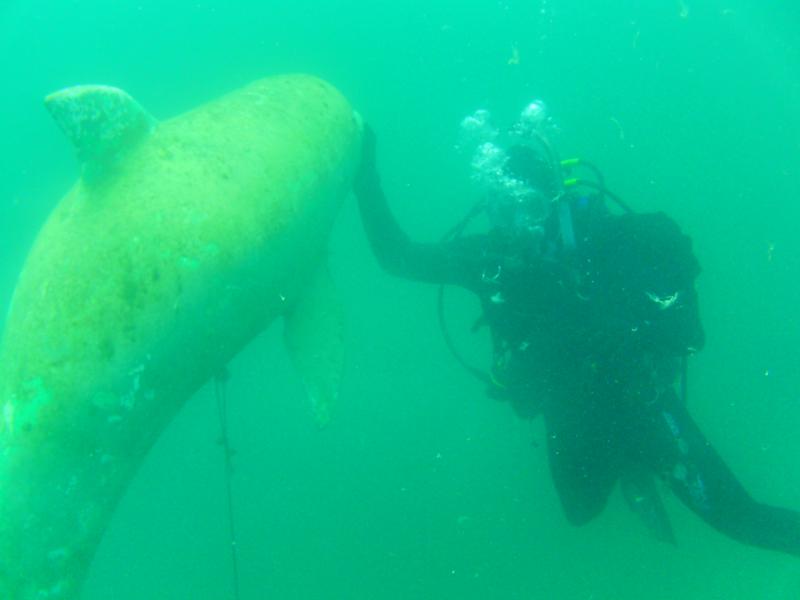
(181, 241)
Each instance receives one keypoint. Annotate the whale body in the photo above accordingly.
(181, 241)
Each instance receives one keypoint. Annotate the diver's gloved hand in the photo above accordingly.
(367, 176)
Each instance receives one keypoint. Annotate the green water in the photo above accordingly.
(422, 487)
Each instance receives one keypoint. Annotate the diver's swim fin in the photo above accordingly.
(643, 498)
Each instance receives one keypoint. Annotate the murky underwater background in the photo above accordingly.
(422, 487)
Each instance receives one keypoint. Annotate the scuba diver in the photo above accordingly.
(592, 313)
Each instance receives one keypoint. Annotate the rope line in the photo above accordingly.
(220, 389)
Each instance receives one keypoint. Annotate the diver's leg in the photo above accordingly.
(699, 477)
(584, 463)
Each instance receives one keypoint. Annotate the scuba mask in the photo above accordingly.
(517, 170)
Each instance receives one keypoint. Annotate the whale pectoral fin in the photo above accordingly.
(99, 120)
(314, 336)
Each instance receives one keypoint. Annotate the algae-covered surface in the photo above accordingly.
(421, 486)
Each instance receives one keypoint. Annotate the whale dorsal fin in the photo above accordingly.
(99, 120)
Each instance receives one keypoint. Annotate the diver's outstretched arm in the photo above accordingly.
(702, 481)
(449, 262)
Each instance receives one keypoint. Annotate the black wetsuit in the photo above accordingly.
(591, 336)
